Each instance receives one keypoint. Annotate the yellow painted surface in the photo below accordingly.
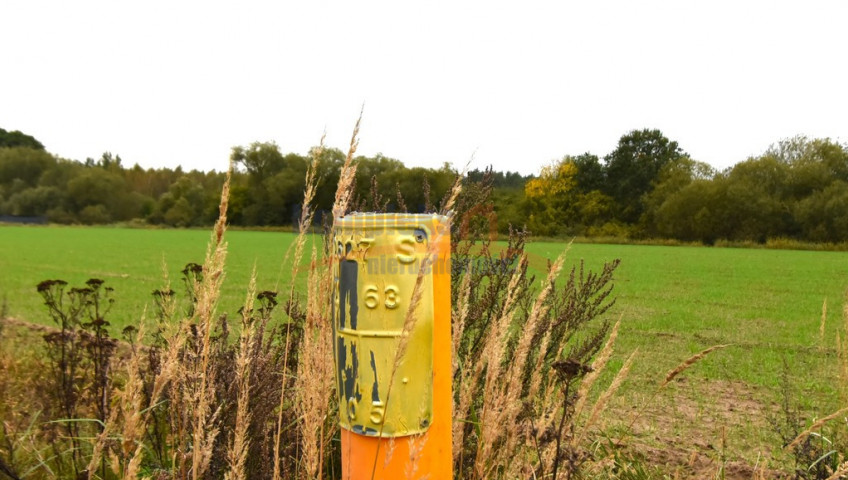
(405, 432)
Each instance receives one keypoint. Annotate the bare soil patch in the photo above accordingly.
(696, 428)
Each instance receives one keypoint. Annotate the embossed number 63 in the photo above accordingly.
(372, 296)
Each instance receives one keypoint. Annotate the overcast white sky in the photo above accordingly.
(167, 83)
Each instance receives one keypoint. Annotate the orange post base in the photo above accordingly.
(398, 458)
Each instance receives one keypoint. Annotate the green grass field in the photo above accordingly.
(766, 303)
(133, 262)
(672, 301)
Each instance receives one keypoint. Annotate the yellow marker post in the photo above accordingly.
(405, 432)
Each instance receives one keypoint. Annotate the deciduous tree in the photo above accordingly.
(633, 167)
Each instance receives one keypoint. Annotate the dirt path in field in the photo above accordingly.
(700, 427)
(16, 324)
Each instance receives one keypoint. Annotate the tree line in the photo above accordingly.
(647, 187)
(266, 188)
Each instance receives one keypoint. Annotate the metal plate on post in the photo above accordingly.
(378, 257)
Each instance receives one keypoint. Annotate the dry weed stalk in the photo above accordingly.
(502, 400)
(307, 213)
(563, 449)
(306, 217)
(344, 191)
(688, 363)
(523, 350)
(597, 367)
(277, 474)
(473, 369)
(458, 315)
(238, 447)
(815, 426)
(134, 413)
(674, 372)
(760, 470)
(416, 446)
(823, 321)
(188, 374)
(100, 444)
(205, 427)
(315, 374)
(314, 381)
(174, 377)
(129, 408)
(510, 338)
(448, 205)
(604, 399)
(840, 472)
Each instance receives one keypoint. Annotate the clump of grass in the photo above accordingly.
(22, 448)
(820, 448)
(832, 463)
(178, 395)
(815, 426)
(238, 446)
(313, 385)
(133, 412)
(522, 351)
(79, 357)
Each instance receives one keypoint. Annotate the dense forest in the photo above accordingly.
(647, 187)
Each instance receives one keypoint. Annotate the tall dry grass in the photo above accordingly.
(523, 348)
(220, 422)
(315, 374)
(842, 354)
(238, 446)
(205, 426)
